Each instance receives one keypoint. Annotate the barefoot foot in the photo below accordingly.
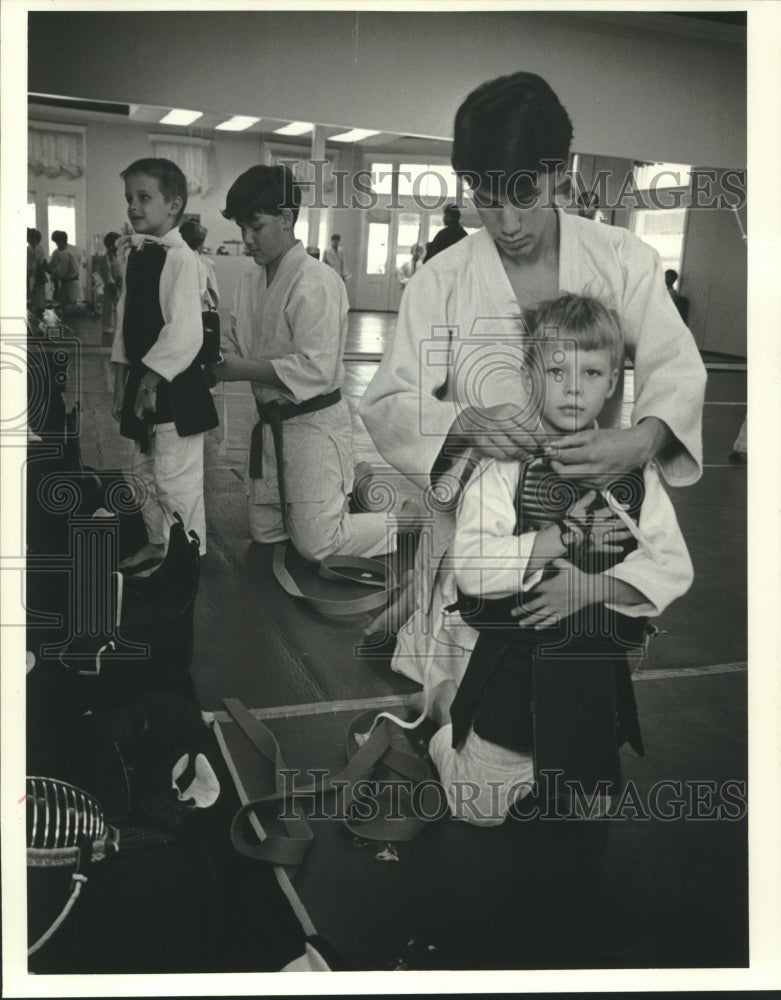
(363, 476)
(439, 701)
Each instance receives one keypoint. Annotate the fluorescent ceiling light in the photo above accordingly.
(294, 128)
(178, 117)
(354, 135)
(237, 124)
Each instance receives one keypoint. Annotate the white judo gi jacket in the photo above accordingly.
(456, 344)
(299, 324)
(491, 561)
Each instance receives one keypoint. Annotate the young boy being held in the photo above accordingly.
(161, 398)
(550, 573)
(287, 337)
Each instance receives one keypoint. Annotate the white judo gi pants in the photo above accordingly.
(171, 475)
(318, 470)
(481, 780)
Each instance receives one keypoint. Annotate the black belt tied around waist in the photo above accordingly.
(273, 414)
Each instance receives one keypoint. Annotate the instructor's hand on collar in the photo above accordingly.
(594, 457)
(504, 432)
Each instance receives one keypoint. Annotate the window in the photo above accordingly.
(382, 177)
(658, 176)
(377, 248)
(426, 180)
(190, 155)
(323, 236)
(302, 225)
(61, 214)
(409, 233)
(55, 151)
(664, 230)
(434, 182)
(56, 185)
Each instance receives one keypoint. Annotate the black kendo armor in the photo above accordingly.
(496, 694)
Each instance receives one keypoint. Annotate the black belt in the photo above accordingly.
(64, 281)
(273, 414)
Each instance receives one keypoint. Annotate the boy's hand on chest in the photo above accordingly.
(555, 598)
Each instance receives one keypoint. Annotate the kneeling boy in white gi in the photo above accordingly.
(287, 337)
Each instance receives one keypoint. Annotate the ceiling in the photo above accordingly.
(49, 106)
(58, 107)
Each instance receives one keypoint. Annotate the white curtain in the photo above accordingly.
(191, 158)
(55, 154)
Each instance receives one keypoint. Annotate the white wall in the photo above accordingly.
(713, 278)
(636, 85)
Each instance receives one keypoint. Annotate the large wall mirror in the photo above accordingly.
(383, 193)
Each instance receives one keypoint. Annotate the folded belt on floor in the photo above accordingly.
(383, 824)
(346, 569)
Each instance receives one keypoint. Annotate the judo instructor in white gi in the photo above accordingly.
(448, 386)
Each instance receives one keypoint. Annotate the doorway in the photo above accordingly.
(387, 241)
(410, 193)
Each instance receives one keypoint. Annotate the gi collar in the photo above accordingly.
(136, 241)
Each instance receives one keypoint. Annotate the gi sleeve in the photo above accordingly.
(229, 336)
(402, 408)
(315, 314)
(489, 560)
(181, 336)
(669, 374)
(668, 576)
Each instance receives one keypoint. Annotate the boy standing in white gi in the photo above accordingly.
(161, 398)
(287, 337)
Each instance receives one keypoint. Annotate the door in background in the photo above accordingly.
(387, 241)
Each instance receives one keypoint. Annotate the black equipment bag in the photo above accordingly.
(175, 897)
(151, 903)
(209, 353)
(151, 647)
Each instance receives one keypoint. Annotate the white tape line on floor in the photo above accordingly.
(704, 671)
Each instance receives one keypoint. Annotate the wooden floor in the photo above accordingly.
(255, 643)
